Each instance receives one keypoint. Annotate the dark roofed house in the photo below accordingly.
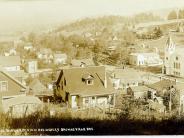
(10, 63)
(85, 87)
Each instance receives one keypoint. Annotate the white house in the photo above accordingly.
(60, 58)
(45, 54)
(174, 57)
(122, 78)
(28, 46)
(31, 66)
(145, 59)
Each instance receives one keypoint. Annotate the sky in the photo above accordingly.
(26, 14)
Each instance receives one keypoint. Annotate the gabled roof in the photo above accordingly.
(78, 62)
(6, 61)
(13, 79)
(37, 87)
(75, 85)
(161, 85)
(18, 74)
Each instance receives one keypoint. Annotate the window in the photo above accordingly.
(176, 58)
(64, 81)
(4, 86)
(86, 100)
(89, 82)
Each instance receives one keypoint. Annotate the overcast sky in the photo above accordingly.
(27, 13)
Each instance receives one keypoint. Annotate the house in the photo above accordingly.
(28, 46)
(145, 59)
(11, 52)
(10, 87)
(174, 57)
(21, 106)
(158, 89)
(82, 87)
(60, 58)
(10, 63)
(82, 62)
(138, 92)
(31, 66)
(36, 87)
(45, 54)
(123, 78)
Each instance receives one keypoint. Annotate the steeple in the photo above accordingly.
(170, 46)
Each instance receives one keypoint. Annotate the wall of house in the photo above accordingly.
(12, 68)
(32, 67)
(59, 61)
(140, 94)
(133, 60)
(102, 101)
(172, 69)
(13, 87)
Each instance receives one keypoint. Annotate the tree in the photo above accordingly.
(171, 95)
(172, 15)
(181, 14)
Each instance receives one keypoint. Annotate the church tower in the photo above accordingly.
(169, 50)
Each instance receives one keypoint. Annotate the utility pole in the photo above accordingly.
(170, 101)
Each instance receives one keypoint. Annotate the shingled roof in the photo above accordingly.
(37, 87)
(161, 85)
(75, 85)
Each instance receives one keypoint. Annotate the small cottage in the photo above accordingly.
(82, 87)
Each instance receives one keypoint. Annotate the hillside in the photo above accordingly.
(112, 22)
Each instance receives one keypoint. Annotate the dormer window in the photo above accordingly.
(89, 82)
(82, 64)
(88, 79)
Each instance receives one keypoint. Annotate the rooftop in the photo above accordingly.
(161, 85)
(6, 61)
(128, 74)
(78, 62)
(37, 87)
(75, 85)
(21, 100)
(139, 88)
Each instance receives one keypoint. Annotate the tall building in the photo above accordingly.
(174, 57)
